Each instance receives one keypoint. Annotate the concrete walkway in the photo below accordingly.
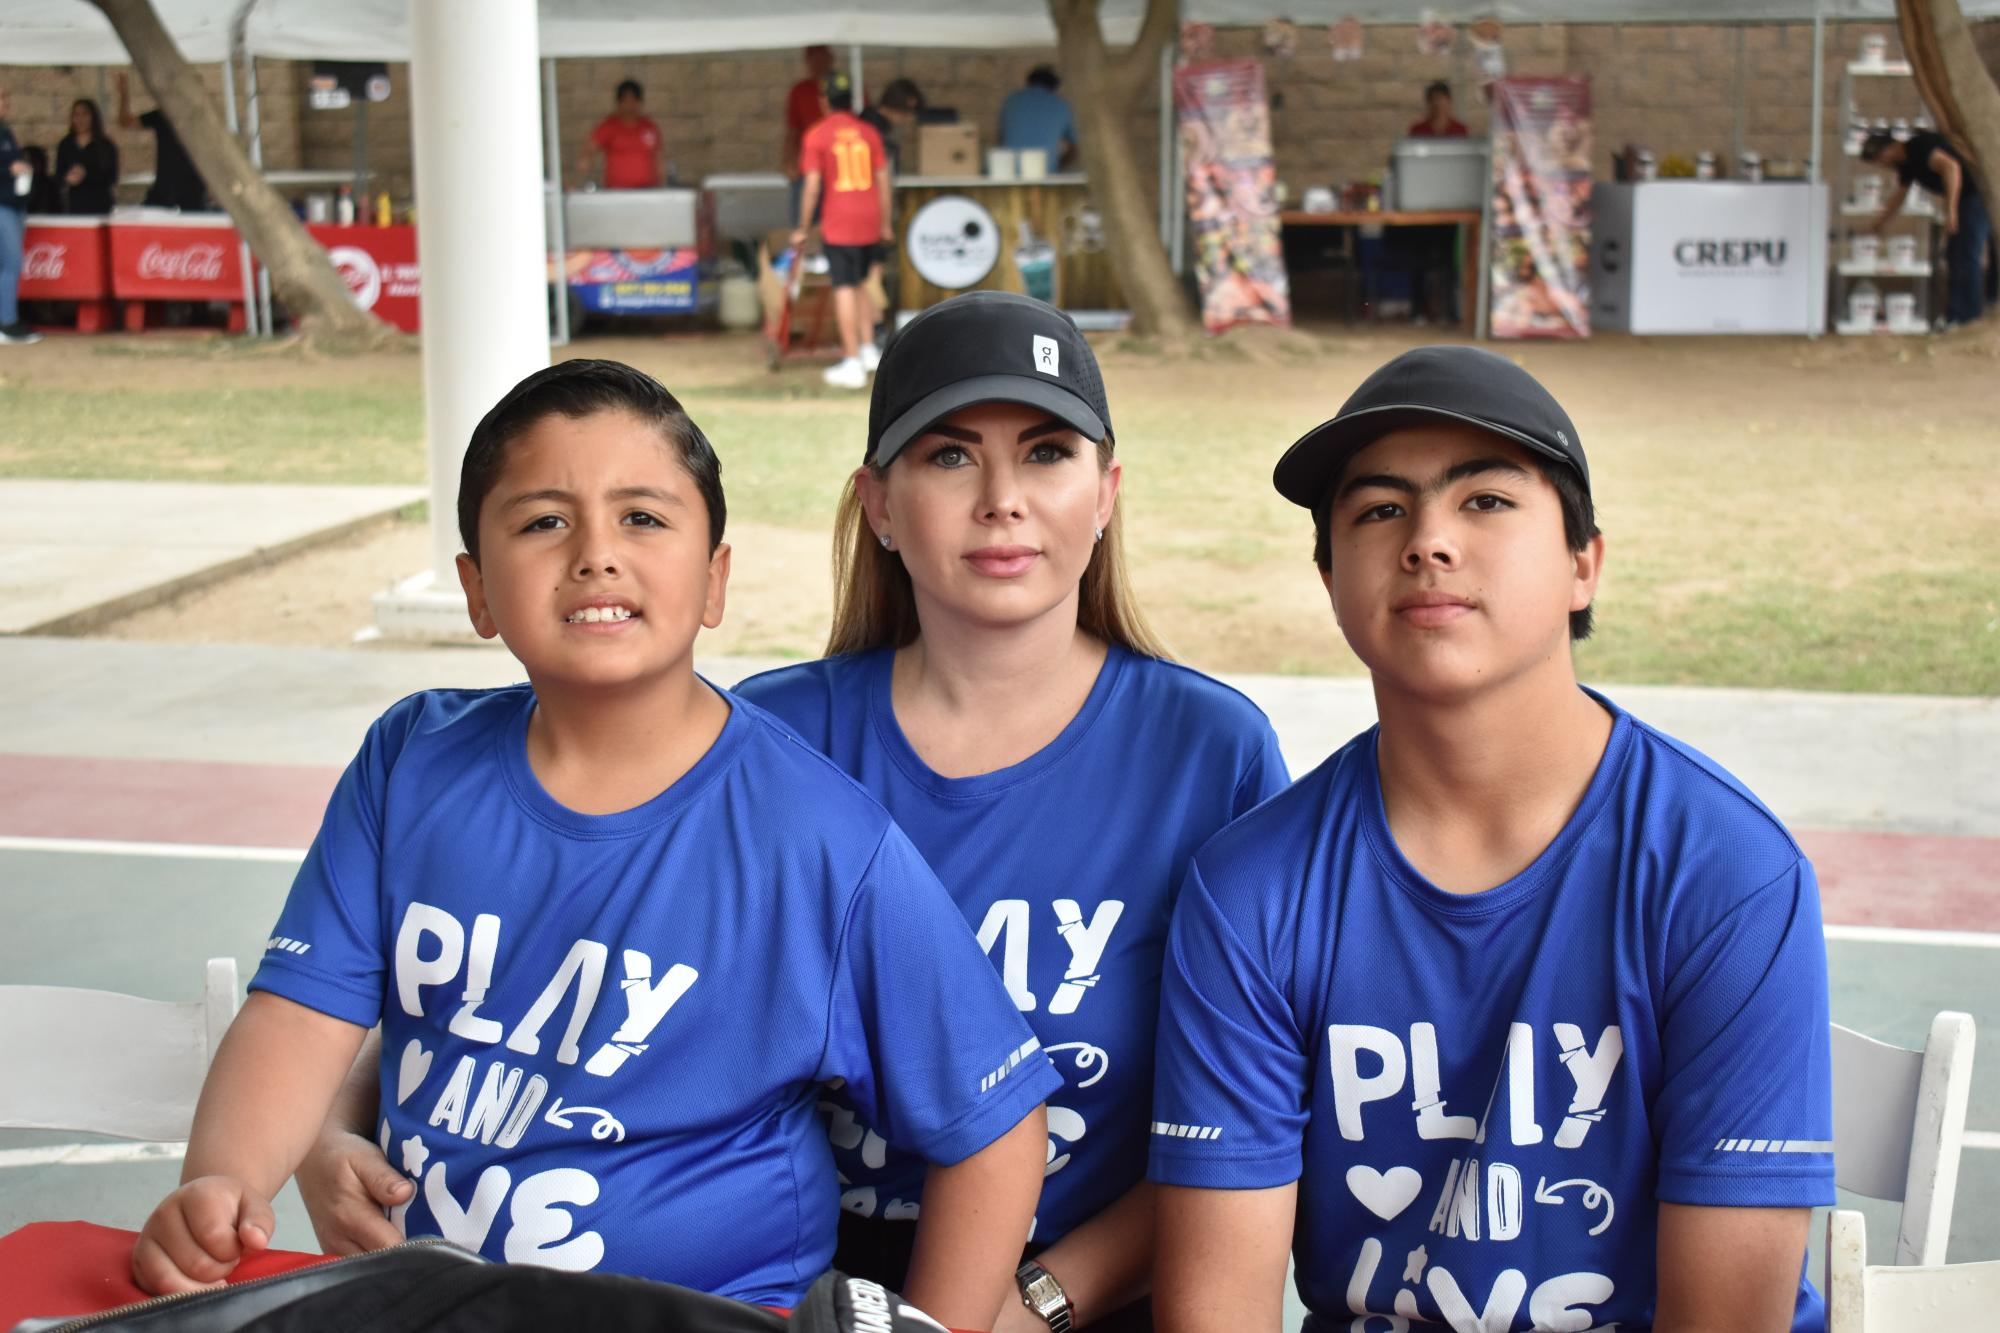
(80, 552)
(1893, 796)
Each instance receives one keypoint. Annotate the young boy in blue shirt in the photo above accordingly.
(1513, 1013)
(619, 930)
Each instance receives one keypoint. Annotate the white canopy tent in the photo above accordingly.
(71, 32)
(481, 203)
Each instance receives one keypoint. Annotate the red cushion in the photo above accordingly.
(74, 1268)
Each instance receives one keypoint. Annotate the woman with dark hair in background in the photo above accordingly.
(86, 161)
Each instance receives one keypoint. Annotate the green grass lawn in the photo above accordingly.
(1776, 515)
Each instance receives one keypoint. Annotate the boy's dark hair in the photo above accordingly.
(577, 389)
(631, 86)
(1579, 525)
(1044, 76)
(1436, 86)
(1872, 146)
(902, 95)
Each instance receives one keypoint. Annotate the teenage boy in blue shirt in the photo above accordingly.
(619, 929)
(1513, 1013)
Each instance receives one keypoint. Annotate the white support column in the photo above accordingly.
(475, 111)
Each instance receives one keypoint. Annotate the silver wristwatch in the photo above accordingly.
(1044, 1296)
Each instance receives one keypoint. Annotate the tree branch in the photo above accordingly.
(1139, 65)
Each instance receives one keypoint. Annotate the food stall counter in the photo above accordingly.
(963, 233)
(639, 252)
(1696, 256)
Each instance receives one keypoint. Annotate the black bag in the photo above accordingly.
(428, 1284)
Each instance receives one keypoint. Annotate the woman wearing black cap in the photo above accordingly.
(991, 682)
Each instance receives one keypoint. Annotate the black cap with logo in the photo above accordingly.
(1467, 384)
(983, 347)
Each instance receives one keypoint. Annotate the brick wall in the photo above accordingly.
(1672, 89)
(42, 95)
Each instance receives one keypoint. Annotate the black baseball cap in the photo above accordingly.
(1467, 384)
(836, 84)
(983, 347)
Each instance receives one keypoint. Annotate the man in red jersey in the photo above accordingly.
(628, 141)
(843, 162)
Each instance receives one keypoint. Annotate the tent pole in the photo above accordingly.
(1167, 191)
(854, 74)
(1482, 299)
(1177, 163)
(558, 221)
(1742, 64)
(1816, 235)
(484, 242)
(255, 113)
(361, 157)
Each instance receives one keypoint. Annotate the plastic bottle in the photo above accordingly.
(343, 207)
(384, 213)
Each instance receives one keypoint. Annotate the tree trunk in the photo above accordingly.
(301, 274)
(1107, 86)
(1956, 85)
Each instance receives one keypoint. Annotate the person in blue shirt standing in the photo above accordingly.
(619, 928)
(1035, 115)
(1513, 1013)
(992, 684)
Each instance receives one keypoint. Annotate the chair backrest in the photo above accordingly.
(1898, 1122)
(1885, 1298)
(99, 1062)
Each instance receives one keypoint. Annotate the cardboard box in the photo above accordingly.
(948, 150)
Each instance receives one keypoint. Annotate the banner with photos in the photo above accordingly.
(1225, 129)
(1541, 208)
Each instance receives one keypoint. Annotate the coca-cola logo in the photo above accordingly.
(43, 262)
(189, 263)
(360, 272)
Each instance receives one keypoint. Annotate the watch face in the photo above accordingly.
(1044, 1294)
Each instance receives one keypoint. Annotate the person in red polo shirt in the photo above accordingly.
(1438, 122)
(842, 162)
(628, 141)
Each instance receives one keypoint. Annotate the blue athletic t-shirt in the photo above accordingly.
(604, 1036)
(1484, 1097)
(1065, 865)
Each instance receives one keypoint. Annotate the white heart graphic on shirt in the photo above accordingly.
(1384, 1193)
(410, 1073)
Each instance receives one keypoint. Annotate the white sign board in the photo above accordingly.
(953, 242)
(1716, 256)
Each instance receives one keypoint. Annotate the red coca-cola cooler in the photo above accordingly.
(159, 255)
(69, 259)
(379, 265)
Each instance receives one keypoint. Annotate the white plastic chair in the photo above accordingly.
(1885, 1298)
(1898, 1121)
(99, 1062)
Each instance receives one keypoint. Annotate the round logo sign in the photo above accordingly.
(359, 271)
(953, 242)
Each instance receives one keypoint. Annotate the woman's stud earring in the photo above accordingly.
(884, 539)
(1100, 534)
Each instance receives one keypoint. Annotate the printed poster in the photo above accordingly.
(1225, 128)
(635, 282)
(1541, 208)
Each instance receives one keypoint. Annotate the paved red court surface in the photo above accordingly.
(1903, 880)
